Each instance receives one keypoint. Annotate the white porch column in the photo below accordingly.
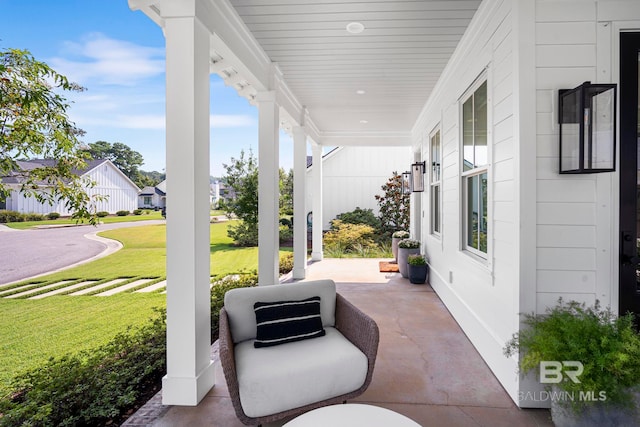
(316, 250)
(190, 373)
(299, 206)
(268, 188)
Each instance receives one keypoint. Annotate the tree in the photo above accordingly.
(242, 178)
(125, 159)
(394, 206)
(34, 124)
(286, 192)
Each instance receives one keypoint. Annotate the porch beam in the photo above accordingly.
(299, 205)
(268, 188)
(190, 371)
(316, 250)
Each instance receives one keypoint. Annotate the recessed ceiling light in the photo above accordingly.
(361, 92)
(355, 27)
(364, 122)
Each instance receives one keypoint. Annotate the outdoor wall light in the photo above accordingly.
(406, 183)
(417, 176)
(587, 117)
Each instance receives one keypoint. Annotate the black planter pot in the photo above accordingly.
(418, 273)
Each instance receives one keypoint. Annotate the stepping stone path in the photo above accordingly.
(111, 288)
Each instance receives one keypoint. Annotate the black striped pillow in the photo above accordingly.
(287, 321)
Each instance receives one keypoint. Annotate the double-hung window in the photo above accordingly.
(435, 179)
(474, 171)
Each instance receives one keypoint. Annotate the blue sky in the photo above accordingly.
(118, 56)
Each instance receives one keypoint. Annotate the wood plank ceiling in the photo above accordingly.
(374, 81)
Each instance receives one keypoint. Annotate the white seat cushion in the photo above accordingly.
(276, 379)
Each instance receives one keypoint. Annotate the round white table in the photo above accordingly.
(351, 415)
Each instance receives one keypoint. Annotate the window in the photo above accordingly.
(147, 200)
(474, 171)
(435, 179)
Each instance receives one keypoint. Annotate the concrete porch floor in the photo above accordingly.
(426, 367)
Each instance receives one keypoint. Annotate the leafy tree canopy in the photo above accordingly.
(127, 160)
(34, 124)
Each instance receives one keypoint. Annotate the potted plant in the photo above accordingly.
(406, 247)
(395, 239)
(418, 269)
(599, 384)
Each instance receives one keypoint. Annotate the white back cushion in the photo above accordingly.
(239, 303)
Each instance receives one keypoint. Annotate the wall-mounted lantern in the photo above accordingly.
(406, 183)
(587, 117)
(417, 176)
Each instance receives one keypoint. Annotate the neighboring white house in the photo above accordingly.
(153, 197)
(353, 176)
(121, 193)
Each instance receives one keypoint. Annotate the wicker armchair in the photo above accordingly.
(353, 324)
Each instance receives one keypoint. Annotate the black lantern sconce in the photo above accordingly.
(587, 117)
(406, 183)
(417, 176)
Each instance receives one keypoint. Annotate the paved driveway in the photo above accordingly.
(28, 253)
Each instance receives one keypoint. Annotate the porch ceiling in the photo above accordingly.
(396, 60)
(346, 89)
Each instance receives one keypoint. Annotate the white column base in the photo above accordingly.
(299, 273)
(317, 256)
(188, 391)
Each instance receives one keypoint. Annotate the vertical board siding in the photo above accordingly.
(353, 176)
(120, 194)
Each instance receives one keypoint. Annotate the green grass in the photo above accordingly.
(32, 331)
(106, 220)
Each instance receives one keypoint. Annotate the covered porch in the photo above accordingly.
(427, 369)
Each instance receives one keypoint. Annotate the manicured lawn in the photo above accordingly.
(105, 220)
(32, 331)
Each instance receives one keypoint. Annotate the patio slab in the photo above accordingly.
(426, 368)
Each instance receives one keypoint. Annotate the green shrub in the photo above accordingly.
(102, 214)
(360, 216)
(11, 216)
(416, 259)
(219, 288)
(286, 221)
(122, 213)
(348, 238)
(137, 212)
(607, 345)
(285, 233)
(244, 233)
(286, 262)
(53, 215)
(33, 217)
(91, 388)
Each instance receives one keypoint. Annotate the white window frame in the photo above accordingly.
(435, 182)
(477, 171)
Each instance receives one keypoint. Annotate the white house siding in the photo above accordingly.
(550, 236)
(483, 295)
(122, 194)
(352, 176)
(110, 181)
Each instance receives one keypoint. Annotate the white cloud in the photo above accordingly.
(231, 121)
(102, 60)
